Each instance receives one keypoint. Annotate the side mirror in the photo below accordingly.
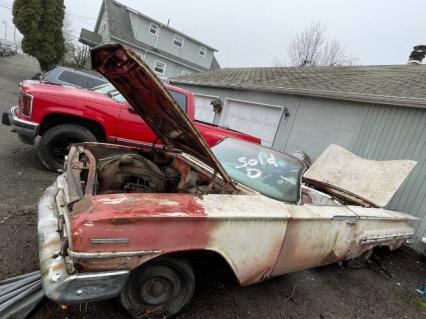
(130, 109)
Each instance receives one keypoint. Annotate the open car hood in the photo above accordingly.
(340, 172)
(152, 101)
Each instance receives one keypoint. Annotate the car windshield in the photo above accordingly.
(111, 91)
(271, 173)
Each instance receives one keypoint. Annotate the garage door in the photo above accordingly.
(260, 120)
(203, 108)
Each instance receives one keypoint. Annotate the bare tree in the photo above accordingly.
(77, 55)
(311, 48)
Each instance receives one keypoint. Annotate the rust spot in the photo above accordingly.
(259, 275)
(123, 221)
(330, 258)
(82, 205)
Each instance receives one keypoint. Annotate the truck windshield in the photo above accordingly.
(109, 90)
(271, 173)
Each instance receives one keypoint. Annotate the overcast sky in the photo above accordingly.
(252, 32)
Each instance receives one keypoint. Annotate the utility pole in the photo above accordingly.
(5, 29)
(14, 35)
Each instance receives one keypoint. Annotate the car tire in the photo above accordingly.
(159, 289)
(54, 144)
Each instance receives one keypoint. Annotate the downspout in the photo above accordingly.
(158, 35)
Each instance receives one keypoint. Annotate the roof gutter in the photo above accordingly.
(345, 96)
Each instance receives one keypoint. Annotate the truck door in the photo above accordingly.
(132, 128)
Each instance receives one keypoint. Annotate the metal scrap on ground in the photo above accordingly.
(19, 295)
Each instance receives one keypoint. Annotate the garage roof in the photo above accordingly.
(384, 84)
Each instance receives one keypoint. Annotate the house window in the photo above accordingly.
(178, 41)
(203, 51)
(153, 29)
(159, 67)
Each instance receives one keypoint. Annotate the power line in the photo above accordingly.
(7, 7)
(85, 22)
(70, 35)
(82, 17)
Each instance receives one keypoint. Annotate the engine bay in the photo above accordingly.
(111, 169)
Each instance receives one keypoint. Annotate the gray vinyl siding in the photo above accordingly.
(398, 133)
(315, 123)
(189, 52)
(103, 28)
(172, 68)
(141, 30)
(373, 131)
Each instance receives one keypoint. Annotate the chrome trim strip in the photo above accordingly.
(385, 237)
(100, 255)
(109, 240)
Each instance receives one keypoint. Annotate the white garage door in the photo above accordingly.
(260, 120)
(203, 108)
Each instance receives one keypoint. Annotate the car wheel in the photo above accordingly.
(159, 289)
(54, 144)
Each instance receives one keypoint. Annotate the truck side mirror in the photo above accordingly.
(130, 109)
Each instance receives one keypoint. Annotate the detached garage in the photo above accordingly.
(377, 112)
(251, 117)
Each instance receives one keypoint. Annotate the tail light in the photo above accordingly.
(25, 103)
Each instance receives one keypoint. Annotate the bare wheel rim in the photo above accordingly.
(158, 286)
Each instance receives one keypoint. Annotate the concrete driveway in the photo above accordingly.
(326, 292)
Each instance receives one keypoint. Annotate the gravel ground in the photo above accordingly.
(327, 292)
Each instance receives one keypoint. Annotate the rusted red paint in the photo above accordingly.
(141, 219)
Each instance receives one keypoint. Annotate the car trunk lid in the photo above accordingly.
(370, 182)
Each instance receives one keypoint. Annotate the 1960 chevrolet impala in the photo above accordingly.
(121, 220)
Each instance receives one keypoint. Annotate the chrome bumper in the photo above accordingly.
(58, 284)
(28, 130)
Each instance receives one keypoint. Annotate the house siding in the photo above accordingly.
(103, 27)
(172, 68)
(120, 24)
(373, 131)
(190, 50)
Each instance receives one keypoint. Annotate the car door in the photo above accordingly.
(316, 236)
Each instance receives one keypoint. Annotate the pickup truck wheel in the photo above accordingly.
(54, 143)
(159, 289)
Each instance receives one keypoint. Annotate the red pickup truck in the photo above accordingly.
(63, 115)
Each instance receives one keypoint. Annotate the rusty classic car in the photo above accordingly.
(121, 221)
